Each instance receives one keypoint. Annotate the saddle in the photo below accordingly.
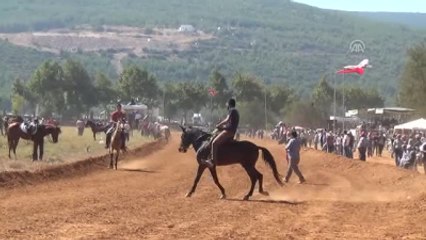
(29, 128)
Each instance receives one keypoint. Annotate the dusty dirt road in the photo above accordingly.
(342, 199)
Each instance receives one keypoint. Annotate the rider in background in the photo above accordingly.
(117, 116)
(229, 127)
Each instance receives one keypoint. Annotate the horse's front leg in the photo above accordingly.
(111, 154)
(216, 181)
(116, 158)
(200, 171)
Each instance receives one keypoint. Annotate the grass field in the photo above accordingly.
(70, 147)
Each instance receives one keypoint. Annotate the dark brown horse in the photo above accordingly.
(96, 127)
(14, 133)
(237, 152)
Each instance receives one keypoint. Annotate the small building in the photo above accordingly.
(186, 29)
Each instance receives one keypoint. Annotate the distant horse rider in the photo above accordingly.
(229, 127)
(117, 117)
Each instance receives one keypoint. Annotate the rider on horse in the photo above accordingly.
(229, 127)
(116, 117)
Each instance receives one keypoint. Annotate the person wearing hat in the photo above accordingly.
(229, 127)
(117, 116)
(293, 156)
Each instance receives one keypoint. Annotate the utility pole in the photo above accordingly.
(266, 113)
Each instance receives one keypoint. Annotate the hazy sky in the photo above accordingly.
(370, 5)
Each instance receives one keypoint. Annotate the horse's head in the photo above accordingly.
(88, 123)
(186, 139)
(192, 136)
(55, 131)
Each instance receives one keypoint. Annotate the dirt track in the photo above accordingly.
(145, 200)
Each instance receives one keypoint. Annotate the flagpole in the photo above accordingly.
(344, 108)
(266, 115)
(334, 103)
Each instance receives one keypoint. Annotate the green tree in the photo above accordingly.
(247, 88)
(358, 98)
(47, 84)
(278, 97)
(304, 113)
(413, 80)
(137, 83)
(218, 82)
(105, 91)
(191, 97)
(79, 89)
(17, 104)
(322, 98)
(170, 104)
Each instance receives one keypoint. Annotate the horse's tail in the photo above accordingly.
(269, 160)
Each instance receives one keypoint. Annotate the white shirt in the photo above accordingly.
(346, 140)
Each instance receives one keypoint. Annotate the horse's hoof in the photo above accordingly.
(223, 196)
(246, 198)
(188, 195)
(264, 193)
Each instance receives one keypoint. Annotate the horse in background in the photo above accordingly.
(115, 145)
(9, 120)
(165, 132)
(14, 133)
(96, 127)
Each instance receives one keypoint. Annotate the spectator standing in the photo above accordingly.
(293, 156)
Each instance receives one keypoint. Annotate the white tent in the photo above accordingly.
(419, 124)
(135, 107)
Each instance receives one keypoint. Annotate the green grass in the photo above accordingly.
(70, 148)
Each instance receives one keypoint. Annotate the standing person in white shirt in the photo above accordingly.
(362, 146)
(346, 149)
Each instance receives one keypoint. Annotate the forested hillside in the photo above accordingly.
(276, 40)
(416, 20)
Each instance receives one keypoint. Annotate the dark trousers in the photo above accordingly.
(362, 152)
(398, 155)
(293, 165)
(347, 151)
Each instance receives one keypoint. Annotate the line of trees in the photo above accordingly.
(67, 89)
(413, 80)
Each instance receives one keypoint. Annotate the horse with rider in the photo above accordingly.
(117, 117)
(220, 149)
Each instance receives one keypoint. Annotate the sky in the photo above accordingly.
(370, 5)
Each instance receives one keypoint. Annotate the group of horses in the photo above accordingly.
(155, 130)
(146, 128)
(14, 133)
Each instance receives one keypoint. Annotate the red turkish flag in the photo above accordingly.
(360, 68)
